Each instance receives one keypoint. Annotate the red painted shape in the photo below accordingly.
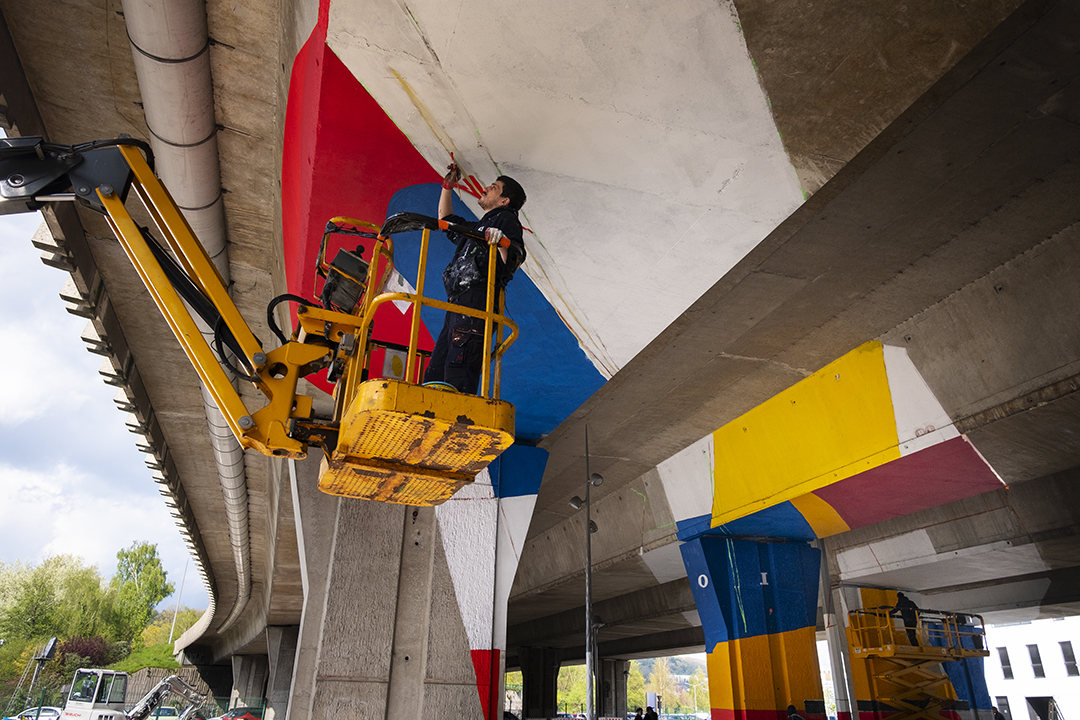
(951, 470)
(342, 156)
(486, 665)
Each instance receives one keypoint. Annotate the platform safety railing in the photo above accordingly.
(882, 631)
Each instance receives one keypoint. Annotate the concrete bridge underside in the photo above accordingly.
(938, 153)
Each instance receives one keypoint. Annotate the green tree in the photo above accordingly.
(699, 689)
(662, 682)
(12, 577)
(140, 583)
(33, 611)
(571, 688)
(85, 606)
(157, 632)
(635, 687)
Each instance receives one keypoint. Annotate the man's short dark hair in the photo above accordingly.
(512, 191)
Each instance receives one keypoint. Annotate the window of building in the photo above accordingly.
(1003, 707)
(1070, 659)
(1006, 666)
(1036, 661)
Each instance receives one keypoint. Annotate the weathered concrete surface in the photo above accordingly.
(838, 74)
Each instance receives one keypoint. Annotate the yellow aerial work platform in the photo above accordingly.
(905, 673)
(399, 441)
(389, 439)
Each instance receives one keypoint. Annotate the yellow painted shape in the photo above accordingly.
(765, 672)
(834, 424)
(823, 519)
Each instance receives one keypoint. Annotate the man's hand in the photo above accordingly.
(494, 236)
(450, 180)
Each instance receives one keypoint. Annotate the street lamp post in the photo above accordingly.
(576, 502)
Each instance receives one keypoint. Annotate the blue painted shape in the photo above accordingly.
(969, 681)
(518, 471)
(967, 676)
(733, 598)
(692, 527)
(779, 521)
(545, 373)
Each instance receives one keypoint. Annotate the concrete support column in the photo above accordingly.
(539, 680)
(281, 647)
(758, 608)
(250, 673)
(612, 695)
(315, 513)
(835, 617)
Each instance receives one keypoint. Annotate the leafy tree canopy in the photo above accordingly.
(140, 583)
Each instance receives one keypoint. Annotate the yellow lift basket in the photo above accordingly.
(400, 441)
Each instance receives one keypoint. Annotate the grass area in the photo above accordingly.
(156, 656)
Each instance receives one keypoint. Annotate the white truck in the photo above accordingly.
(99, 695)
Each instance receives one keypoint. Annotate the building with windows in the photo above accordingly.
(1032, 673)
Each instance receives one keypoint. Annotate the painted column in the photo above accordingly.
(758, 608)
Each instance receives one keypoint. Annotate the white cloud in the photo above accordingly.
(71, 480)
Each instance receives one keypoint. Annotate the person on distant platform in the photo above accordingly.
(459, 349)
(909, 611)
(638, 716)
(650, 714)
(793, 714)
(998, 715)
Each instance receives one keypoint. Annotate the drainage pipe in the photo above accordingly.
(170, 45)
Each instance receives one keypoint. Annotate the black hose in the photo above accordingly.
(218, 328)
(201, 304)
(287, 297)
(94, 144)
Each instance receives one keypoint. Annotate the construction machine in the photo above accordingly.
(99, 695)
(389, 439)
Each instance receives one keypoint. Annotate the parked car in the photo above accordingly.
(47, 713)
(241, 713)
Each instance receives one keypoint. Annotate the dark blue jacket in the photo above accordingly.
(468, 268)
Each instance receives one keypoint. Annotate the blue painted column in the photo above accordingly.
(758, 608)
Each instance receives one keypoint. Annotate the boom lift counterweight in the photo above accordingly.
(390, 440)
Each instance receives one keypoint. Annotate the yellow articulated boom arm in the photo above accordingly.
(389, 439)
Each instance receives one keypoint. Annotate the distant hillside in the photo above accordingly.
(679, 664)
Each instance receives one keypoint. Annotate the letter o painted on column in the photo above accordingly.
(703, 580)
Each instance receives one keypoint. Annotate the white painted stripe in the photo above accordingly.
(665, 563)
(515, 514)
(687, 477)
(467, 526)
(921, 421)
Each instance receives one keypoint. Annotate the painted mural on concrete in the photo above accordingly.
(860, 441)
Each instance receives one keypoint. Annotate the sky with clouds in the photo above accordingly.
(71, 480)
